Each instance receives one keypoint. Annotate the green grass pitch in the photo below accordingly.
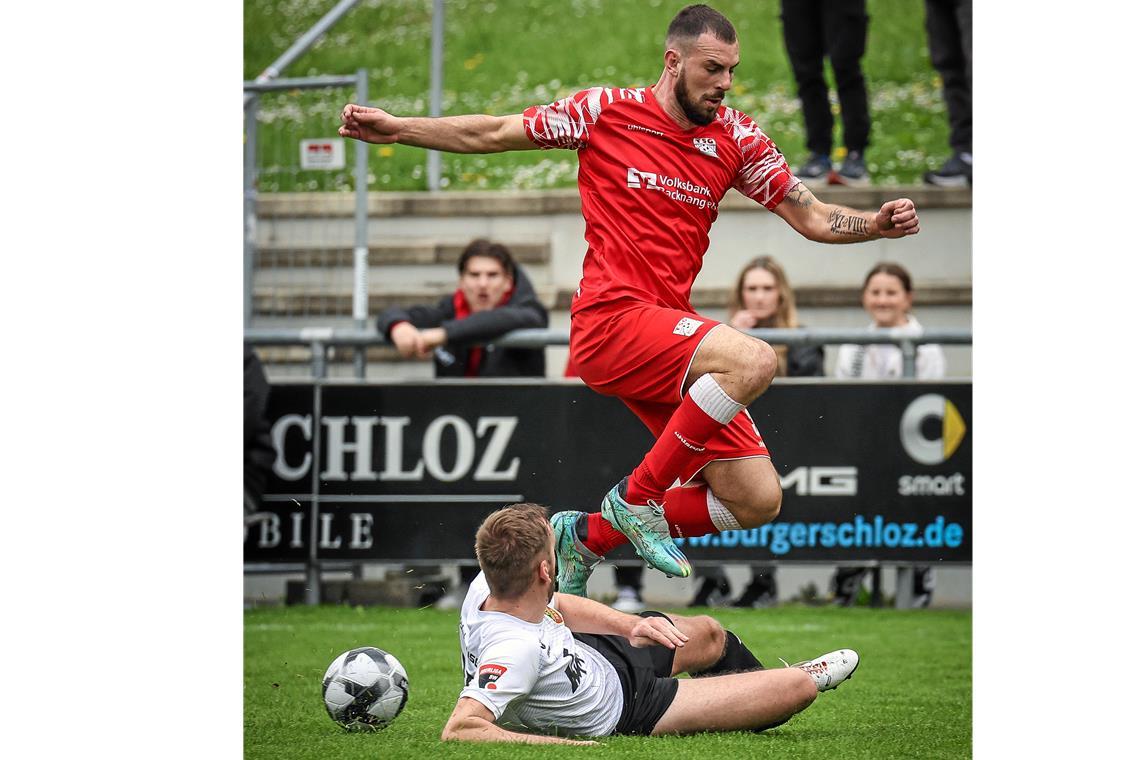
(910, 698)
(501, 56)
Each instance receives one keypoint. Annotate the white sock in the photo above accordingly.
(719, 514)
(713, 401)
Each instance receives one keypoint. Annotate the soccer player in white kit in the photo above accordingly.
(541, 667)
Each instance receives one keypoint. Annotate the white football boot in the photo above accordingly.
(831, 669)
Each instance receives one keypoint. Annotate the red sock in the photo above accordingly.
(686, 511)
(679, 451)
(601, 537)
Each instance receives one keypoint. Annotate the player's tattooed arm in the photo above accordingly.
(845, 221)
(799, 196)
(829, 223)
(823, 222)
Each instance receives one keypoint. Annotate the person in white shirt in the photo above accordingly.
(888, 296)
(541, 667)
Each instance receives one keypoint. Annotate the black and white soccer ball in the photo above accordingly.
(365, 689)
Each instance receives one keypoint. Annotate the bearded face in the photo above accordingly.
(703, 75)
(699, 107)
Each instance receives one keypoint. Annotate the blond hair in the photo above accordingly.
(509, 545)
(785, 316)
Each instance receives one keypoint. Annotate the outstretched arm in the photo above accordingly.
(828, 223)
(455, 134)
(587, 616)
(471, 721)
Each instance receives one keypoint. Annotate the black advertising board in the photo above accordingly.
(871, 471)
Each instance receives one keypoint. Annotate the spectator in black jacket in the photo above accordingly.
(259, 452)
(494, 297)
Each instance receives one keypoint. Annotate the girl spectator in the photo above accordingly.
(888, 296)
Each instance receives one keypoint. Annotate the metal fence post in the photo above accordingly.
(909, 352)
(436, 86)
(249, 183)
(360, 257)
(904, 588)
(312, 563)
(304, 42)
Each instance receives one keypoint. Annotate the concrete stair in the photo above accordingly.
(304, 259)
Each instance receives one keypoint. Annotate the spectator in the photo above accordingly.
(763, 297)
(494, 296)
(259, 452)
(887, 296)
(949, 35)
(836, 29)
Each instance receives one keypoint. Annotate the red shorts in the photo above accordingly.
(641, 353)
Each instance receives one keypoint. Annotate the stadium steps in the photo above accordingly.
(316, 280)
(304, 258)
(275, 206)
(301, 300)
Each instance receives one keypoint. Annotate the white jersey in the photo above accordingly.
(535, 676)
(883, 361)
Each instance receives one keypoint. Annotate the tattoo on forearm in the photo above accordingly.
(800, 196)
(844, 223)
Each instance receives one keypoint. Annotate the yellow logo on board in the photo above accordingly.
(925, 450)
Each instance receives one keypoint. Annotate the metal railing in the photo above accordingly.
(360, 171)
(319, 339)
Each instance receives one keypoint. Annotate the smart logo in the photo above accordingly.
(926, 450)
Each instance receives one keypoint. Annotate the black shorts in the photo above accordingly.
(646, 678)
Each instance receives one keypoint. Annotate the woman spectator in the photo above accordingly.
(888, 295)
(762, 297)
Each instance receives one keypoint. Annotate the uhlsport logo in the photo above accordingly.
(931, 450)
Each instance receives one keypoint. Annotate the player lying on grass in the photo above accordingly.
(561, 665)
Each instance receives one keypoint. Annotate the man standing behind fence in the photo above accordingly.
(654, 164)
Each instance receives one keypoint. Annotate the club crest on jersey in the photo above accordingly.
(686, 327)
(490, 673)
(706, 145)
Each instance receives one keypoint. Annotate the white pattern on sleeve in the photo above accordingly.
(764, 175)
(566, 123)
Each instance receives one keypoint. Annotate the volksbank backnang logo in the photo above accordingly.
(931, 450)
(674, 187)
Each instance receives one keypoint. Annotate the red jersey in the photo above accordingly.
(650, 190)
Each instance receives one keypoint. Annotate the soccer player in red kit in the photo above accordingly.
(654, 163)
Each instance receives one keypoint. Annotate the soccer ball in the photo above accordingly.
(365, 689)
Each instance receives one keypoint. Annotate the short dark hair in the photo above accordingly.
(893, 269)
(509, 545)
(487, 249)
(694, 20)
